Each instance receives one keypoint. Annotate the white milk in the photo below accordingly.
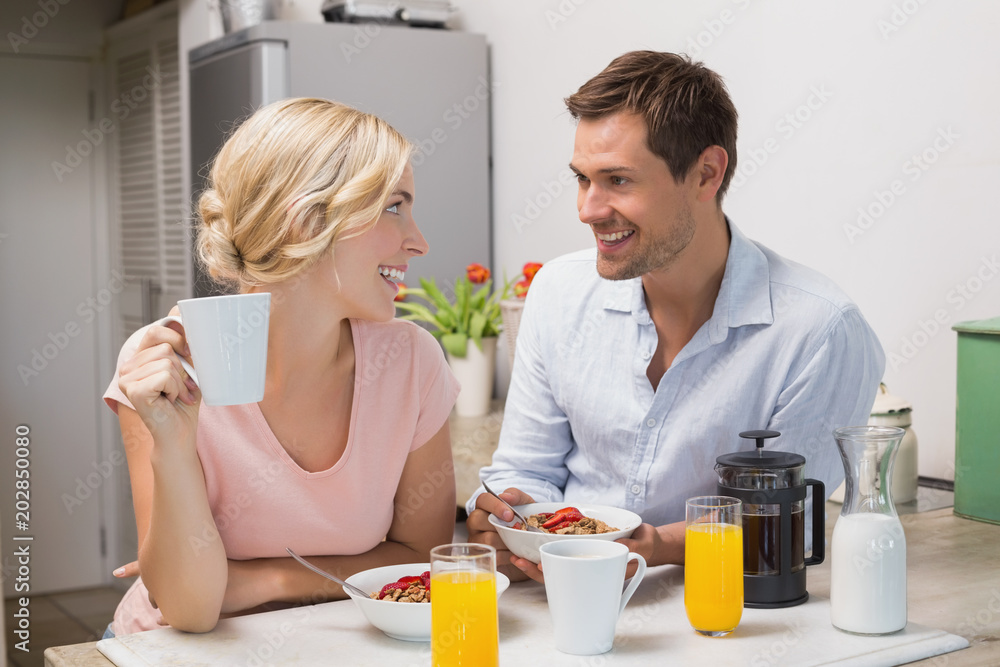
(868, 574)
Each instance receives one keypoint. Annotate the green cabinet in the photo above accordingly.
(977, 421)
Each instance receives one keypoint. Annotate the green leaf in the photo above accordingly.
(414, 291)
(418, 312)
(447, 320)
(480, 295)
(463, 289)
(455, 344)
(434, 295)
(494, 316)
(476, 327)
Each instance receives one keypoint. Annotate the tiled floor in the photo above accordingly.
(63, 618)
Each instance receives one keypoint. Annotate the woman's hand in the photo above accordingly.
(247, 585)
(159, 432)
(156, 384)
(128, 570)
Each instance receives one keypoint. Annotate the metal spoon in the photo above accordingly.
(524, 522)
(324, 573)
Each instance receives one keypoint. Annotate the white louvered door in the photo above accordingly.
(149, 205)
(151, 200)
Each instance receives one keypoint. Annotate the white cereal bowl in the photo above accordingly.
(399, 620)
(525, 544)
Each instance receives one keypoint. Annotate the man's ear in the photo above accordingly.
(710, 170)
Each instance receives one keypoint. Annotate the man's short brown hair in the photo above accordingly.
(685, 105)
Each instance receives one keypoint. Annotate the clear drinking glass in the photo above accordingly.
(713, 564)
(464, 627)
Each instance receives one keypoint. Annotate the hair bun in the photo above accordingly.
(216, 249)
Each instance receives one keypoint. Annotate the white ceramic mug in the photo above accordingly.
(228, 340)
(583, 584)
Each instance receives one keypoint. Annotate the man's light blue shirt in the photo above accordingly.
(785, 349)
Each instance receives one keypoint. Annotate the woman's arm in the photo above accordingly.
(421, 521)
(183, 562)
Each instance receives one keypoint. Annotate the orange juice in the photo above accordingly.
(713, 576)
(464, 628)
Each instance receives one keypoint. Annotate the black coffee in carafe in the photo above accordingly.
(762, 541)
(772, 487)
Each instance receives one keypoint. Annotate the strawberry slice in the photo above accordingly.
(562, 518)
(389, 588)
(425, 578)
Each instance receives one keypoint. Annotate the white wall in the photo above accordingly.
(837, 102)
(887, 80)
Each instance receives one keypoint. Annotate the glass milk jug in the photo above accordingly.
(868, 548)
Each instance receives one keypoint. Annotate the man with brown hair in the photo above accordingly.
(640, 362)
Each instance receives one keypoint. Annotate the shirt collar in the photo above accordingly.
(744, 296)
(625, 296)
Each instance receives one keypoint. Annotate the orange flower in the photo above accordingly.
(530, 269)
(401, 294)
(477, 273)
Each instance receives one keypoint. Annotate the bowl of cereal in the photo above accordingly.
(399, 602)
(600, 522)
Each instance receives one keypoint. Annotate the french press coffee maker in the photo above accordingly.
(773, 491)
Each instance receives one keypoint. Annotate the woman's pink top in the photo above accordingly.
(263, 501)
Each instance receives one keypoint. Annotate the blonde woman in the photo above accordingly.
(311, 201)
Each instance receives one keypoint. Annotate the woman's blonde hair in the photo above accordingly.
(294, 179)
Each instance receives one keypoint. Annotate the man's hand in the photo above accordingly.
(644, 541)
(657, 544)
(482, 531)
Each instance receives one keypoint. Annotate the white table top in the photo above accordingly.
(653, 625)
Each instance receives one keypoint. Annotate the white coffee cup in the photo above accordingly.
(228, 340)
(583, 584)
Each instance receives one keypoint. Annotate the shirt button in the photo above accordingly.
(650, 423)
(646, 355)
(636, 488)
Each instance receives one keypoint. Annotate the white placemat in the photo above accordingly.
(652, 630)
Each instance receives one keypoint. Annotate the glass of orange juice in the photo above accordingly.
(464, 628)
(713, 564)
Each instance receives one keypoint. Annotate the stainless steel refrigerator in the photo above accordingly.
(431, 85)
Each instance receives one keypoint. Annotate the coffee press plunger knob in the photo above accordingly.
(760, 437)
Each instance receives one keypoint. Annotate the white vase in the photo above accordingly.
(475, 373)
